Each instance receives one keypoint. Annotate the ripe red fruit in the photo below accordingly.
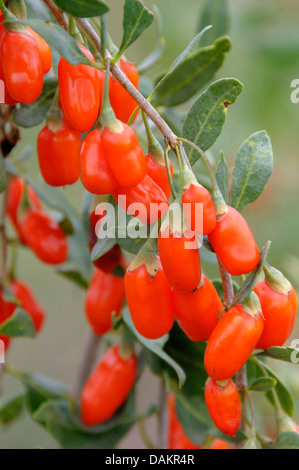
(279, 311)
(59, 155)
(232, 342)
(147, 200)
(79, 91)
(197, 312)
(96, 175)
(15, 194)
(124, 154)
(44, 236)
(149, 300)
(177, 438)
(197, 194)
(44, 50)
(219, 444)
(110, 260)
(223, 403)
(122, 103)
(105, 295)
(234, 244)
(7, 98)
(158, 174)
(22, 66)
(180, 261)
(27, 301)
(108, 386)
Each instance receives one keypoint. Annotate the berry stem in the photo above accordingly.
(166, 159)
(87, 361)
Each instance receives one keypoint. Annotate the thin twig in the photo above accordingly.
(228, 289)
(60, 16)
(86, 362)
(162, 417)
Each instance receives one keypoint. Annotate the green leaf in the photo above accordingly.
(33, 114)
(193, 415)
(222, 177)
(3, 176)
(62, 422)
(206, 118)
(57, 38)
(263, 384)
(156, 347)
(38, 388)
(70, 271)
(154, 57)
(287, 354)
(83, 8)
(250, 281)
(190, 74)
(19, 324)
(136, 19)
(283, 394)
(215, 13)
(286, 440)
(12, 410)
(252, 170)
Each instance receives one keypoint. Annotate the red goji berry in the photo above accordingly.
(224, 406)
(28, 302)
(22, 66)
(122, 103)
(157, 172)
(234, 244)
(44, 236)
(105, 295)
(197, 194)
(108, 386)
(197, 312)
(44, 50)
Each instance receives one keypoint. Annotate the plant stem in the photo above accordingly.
(60, 16)
(173, 193)
(228, 290)
(145, 437)
(162, 418)
(86, 363)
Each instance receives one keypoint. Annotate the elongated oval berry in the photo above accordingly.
(146, 201)
(234, 244)
(122, 103)
(22, 67)
(197, 312)
(96, 175)
(105, 295)
(80, 92)
(158, 174)
(15, 194)
(279, 311)
(7, 98)
(124, 155)
(196, 194)
(108, 386)
(44, 236)
(110, 260)
(180, 260)
(44, 50)
(223, 403)
(28, 302)
(177, 438)
(150, 301)
(232, 342)
(59, 155)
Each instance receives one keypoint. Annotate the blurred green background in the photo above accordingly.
(265, 58)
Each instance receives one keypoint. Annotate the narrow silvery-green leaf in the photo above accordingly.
(189, 75)
(252, 170)
(286, 354)
(157, 52)
(286, 440)
(12, 410)
(136, 19)
(206, 118)
(19, 324)
(222, 176)
(33, 114)
(215, 13)
(83, 8)
(263, 384)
